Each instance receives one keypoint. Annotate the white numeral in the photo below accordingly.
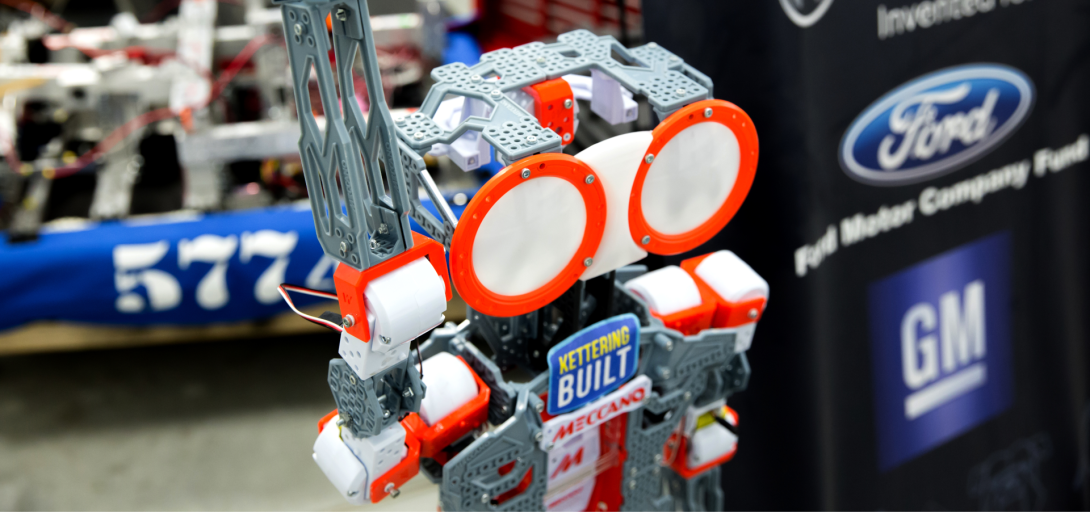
(316, 279)
(131, 263)
(212, 289)
(271, 244)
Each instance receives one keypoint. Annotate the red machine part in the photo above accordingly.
(428, 442)
(726, 313)
(351, 284)
(606, 495)
(738, 122)
(435, 438)
(676, 451)
(554, 106)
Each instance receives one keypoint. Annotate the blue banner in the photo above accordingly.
(181, 268)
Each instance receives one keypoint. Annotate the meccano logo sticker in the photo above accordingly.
(936, 124)
(592, 362)
(940, 333)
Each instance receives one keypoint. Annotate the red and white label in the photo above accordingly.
(558, 430)
(572, 473)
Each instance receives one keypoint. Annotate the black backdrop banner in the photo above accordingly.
(920, 212)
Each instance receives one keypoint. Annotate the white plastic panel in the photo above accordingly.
(616, 161)
(572, 473)
(405, 303)
(351, 464)
(364, 361)
(709, 443)
(529, 236)
(731, 278)
(690, 178)
(450, 385)
(667, 290)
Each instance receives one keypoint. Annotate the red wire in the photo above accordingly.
(284, 288)
(123, 131)
(39, 11)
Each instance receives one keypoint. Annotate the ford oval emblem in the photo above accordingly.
(936, 124)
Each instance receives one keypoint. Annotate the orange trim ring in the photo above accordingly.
(556, 165)
(737, 121)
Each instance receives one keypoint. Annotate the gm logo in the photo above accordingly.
(936, 124)
(941, 348)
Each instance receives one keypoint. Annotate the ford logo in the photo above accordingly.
(936, 124)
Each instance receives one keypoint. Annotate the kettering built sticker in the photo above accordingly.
(592, 362)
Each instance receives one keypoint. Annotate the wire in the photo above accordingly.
(122, 132)
(39, 11)
(284, 288)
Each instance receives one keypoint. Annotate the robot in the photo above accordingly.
(577, 382)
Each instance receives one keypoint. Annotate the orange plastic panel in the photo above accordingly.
(449, 429)
(738, 122)
(351, 283)
(557, 165)
(727, 314)
(549, 98)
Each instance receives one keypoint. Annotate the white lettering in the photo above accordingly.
(919, 355)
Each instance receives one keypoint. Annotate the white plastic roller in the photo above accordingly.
(616, 161)
(450, 385)
(667, 290)
(351, 464)
(405, 303)
(731, 278)
(710, 443)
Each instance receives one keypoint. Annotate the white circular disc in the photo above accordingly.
(529, 236)
(691, 177)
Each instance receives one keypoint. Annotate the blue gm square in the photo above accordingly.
(940, 332)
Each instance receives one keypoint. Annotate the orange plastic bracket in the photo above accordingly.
(727, 314)
(554, 106)
(449, 429)
(556, 165)
(351, 284)
(679, 458)
(737, 121)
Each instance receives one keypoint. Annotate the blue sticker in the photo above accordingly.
(941, 337)
(593, 362)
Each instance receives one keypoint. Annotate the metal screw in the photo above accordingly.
(352, 379)
(344, 247)
(531, 139)
(752, 313)
(298, 29)
(540, 407)
(668, 345)
(503, 408)
(567, 103)
(590, 179)
(649, 158)
(384, 339)
(346, 417)
(567, 137)
(536, 353)
(385, 414)
(680, 92)
(407, 393)
(549, 447)
(708, 112)
(687, 395)
(588, 261)
(394, 492)
(658, 458)
(418, 136)
(655, 471)
(632, 484)
(526, 173)
(353, 493)
(342, 14)
(383, 228)
(539, 436)
(633, 471)
(475, 78)
(645, 240)
(664, 372)
(373, 244)
(485, 497)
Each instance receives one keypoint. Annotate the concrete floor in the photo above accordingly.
(213, 426)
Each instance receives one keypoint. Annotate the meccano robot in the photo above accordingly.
(629, 371)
